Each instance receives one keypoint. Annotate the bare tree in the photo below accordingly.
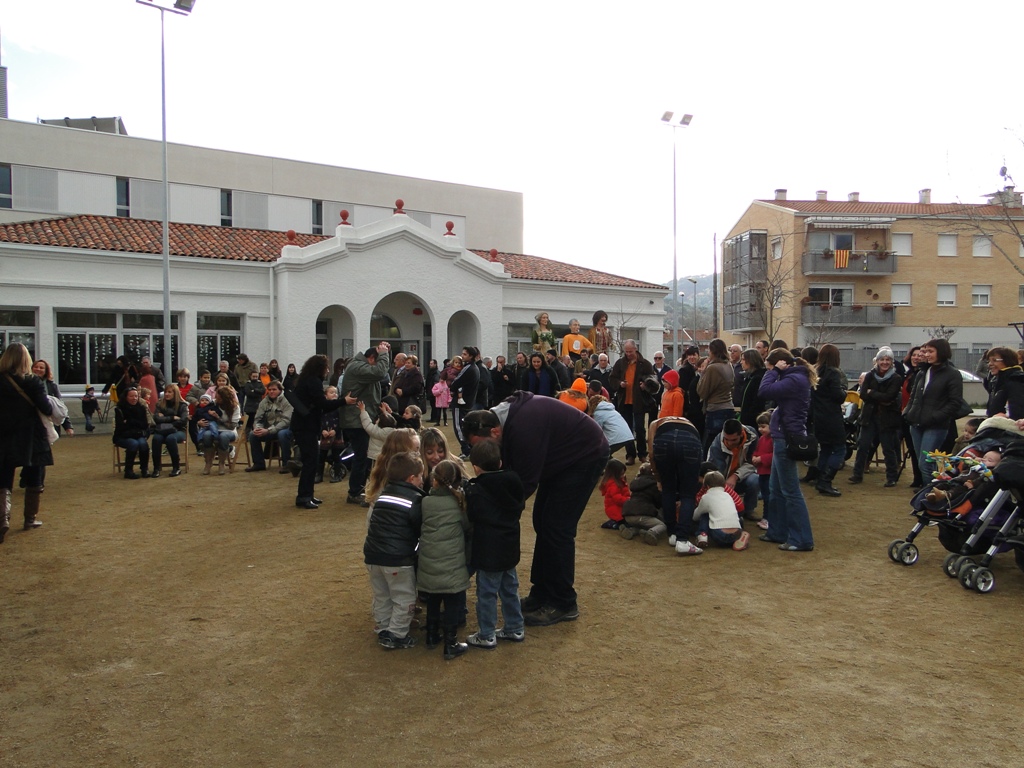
(828, 328)
(939, 332)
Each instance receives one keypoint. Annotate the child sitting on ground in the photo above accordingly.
(761, 458)
(716, 516)
(495, 500)
(441, 574)
(641, 512)
(90, 407)
(615, 492)
(705, 469)
(390, 550)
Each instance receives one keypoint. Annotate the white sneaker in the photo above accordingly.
(702, 540)
(672, 540)
(686, 548)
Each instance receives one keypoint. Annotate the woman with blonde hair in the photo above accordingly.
(402, 440)
(23, 440)
(170, 420)
(543, 336)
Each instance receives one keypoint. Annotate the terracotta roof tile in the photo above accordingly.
(538, 268)
(890, 209)
(113, 233)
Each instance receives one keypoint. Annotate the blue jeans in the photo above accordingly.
(764, 483)
(490, 587)
(134, 446)
(926, 441)
(831, 456)
(677, 455)
(717, 535)
(748, 488)
(789, 522)
(171, 441)
(557, 508)
(282, 436)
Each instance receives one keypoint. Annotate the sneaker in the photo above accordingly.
(649, 537)
(175, 472)
(392, 643)
(890, 483)
(385, 639)
(479, 641)
(155, 474)
(762, 524)
(610, 525)
(512, 635)
(529, 604)
(548, 615)
(627, 532)
(683, 547)
(742, 542)
(672, 540)
(350, 499)
(702, 540)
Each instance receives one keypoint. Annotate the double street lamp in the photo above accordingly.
(681, 123)
(181, 8)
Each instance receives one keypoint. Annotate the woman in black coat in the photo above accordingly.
(827, 415)
(1005, 383)
(408, 384)
(934, 402)
(23, 440)
(309, 404)
(881, 420)
(752, 404)
(131, 432)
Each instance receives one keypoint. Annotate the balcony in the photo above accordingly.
(849, 314)
(860, 263)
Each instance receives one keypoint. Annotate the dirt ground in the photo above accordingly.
(204, 621)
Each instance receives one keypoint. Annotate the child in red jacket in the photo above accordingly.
(762, 460)
(615, 492)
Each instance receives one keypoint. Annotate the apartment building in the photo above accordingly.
(862, 274)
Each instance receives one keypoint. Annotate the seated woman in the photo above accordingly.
(227, 418)
(170, 420)
(131, 427)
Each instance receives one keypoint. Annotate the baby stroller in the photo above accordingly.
(965, 528)
(851, 412)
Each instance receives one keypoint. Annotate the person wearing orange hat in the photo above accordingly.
(672, 399)
(576, 395)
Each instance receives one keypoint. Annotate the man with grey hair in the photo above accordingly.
(601, 371)
(626, 385)
(740, 382)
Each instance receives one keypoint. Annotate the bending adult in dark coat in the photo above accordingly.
(23, 441)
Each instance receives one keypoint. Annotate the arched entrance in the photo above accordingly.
(335, 333)
(403, 320)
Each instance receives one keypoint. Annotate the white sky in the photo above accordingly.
(562, 100)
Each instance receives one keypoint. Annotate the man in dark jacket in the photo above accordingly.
(503, 378)
(626, 385)
(558, 452)
(363, 378)
(561, 372)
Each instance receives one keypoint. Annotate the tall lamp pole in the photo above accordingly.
(694, 281)
(181, 8)
(682, 123)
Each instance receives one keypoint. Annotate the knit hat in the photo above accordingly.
(672, 377)
(205, 396)
(884, 352)
(580, 385)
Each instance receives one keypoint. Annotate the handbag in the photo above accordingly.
(298, 406)
(165, 428)
(964, 409)
(801, 447)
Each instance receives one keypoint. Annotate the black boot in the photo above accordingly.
(433, 633)
(31, 508)
(824, 484)
(452, 647)
(811, 476)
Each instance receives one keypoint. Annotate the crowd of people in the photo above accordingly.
(719, 440)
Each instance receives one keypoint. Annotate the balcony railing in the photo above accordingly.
(859, 263)
(847, 314)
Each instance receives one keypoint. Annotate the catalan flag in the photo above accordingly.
(842, 259)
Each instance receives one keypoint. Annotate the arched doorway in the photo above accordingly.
(335, 333)
(403, 321)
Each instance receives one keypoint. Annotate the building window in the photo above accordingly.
(219, 338)
(1020, 295)
(902, 243)
(6, 187)
(18, 326)
(820, 240)
(123, 198)
(900, 294)
(982, 246)
(225, 208)
(981, 295)
(777, 249)
(88, 343)
(946, 295)
(826, 294)
(947, 245)
(318, 217)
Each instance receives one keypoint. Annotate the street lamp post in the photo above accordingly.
(181, 8)
(680, 324)
(694, 281)
(682, 123)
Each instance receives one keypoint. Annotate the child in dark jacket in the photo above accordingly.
(90, 407)
(389, 551)
(641, 512)
(495, 500)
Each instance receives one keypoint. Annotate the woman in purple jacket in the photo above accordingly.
(788, 383)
